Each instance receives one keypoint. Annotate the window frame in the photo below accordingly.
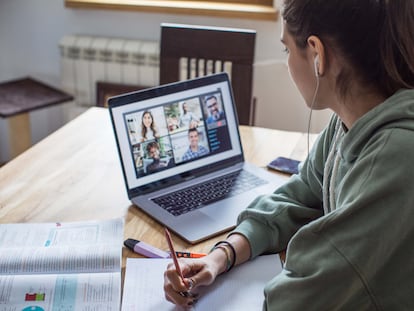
(249, 9)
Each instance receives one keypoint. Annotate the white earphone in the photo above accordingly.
(316, 67)
(316, 64)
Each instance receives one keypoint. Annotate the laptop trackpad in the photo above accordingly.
(227, 210)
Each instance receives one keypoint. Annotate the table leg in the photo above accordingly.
(19, 134)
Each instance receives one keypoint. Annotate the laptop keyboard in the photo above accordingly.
(194, 197)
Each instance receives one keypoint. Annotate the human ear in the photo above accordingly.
(317, 51)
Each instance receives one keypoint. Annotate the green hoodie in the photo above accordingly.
(346, 220)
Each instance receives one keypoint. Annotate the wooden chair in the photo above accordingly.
(189, 51)
(104, 90)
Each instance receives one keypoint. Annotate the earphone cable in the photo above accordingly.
(310, 112)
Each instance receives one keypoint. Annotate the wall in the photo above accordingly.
(31, 30)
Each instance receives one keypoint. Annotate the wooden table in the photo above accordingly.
(75, 174)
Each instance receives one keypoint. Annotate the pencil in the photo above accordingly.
(173, 254)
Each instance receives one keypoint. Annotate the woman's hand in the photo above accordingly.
(203, 271)
(196, 272)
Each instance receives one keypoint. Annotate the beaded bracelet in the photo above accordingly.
(230, 263)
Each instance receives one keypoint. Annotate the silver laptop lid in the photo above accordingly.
(152, 131)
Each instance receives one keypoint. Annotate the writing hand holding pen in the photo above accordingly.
(183, 276)
(196, 272)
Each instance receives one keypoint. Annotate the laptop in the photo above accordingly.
(182, 158)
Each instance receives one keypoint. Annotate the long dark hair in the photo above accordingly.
(376, 38)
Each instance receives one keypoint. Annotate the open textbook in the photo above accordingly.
(240, 289)
(61, 266)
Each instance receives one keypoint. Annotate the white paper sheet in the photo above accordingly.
(240, 289)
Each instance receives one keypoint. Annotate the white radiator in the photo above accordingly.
(88, 59)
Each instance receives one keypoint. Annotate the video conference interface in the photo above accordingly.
(176, 133)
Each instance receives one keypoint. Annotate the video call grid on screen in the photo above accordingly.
(171, 135)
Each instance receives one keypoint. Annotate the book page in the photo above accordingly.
(240, 289)
(92, 246)
(69, 292)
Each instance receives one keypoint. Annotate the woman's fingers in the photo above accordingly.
(196, 272)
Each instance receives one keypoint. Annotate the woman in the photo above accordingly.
(346, 219)
(148, 129)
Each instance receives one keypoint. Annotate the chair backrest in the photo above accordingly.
(189, 51)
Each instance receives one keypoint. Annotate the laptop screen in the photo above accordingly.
(172, 132)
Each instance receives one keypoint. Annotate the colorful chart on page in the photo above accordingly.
(33, 308)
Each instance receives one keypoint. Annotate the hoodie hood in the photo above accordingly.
(395, 112)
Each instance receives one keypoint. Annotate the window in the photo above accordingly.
(252, 9)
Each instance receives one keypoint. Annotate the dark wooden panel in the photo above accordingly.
(212, 43)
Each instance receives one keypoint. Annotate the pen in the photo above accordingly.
(145, 249)
(189, 254)
(173, 255)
